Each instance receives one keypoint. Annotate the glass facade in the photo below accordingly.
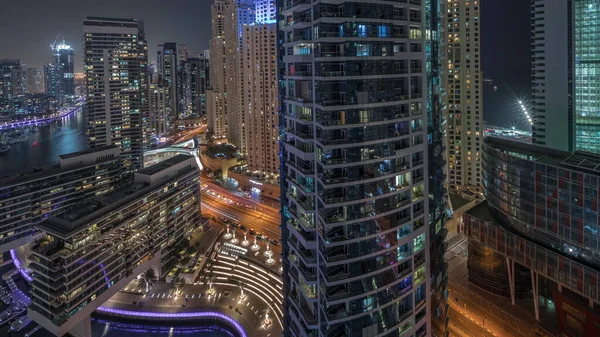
(436, 163)
(587, 75)
(354, 188)
(541, 212)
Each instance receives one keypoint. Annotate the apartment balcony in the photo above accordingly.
(332, 124)
(299, 99)
(306, 170)
(355, 140)
(337, 34)
(296, 6)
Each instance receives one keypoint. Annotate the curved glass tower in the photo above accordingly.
(354, 171)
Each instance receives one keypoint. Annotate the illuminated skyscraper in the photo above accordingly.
(63, 58)
(52, 76)
(464, 95)
(565, 60)
(199, 83)
(355, 180)
(10, 83)
(223, 26)
(167, 70)
(258, 98)
(228, 19)
(115, 64)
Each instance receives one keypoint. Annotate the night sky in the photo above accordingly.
(29, 26)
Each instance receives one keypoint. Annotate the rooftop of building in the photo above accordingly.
(481, 211)
(180, 158)
(101, 18)
(578, 161)
(87, 151)
(457, 201)
(77, 217)
(36, 173)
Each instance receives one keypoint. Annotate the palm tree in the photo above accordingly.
(146, 280)
(177, 283)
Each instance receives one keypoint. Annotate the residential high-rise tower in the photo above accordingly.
(462, 81)
(167, 70)
(199, 84)
(63, 58)
(115, 64)
(355, 225)
(258, 98)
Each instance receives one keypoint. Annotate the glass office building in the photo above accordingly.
(537, 232)
(587, 74)
(354, 168)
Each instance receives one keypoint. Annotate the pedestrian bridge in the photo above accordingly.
(178, 149)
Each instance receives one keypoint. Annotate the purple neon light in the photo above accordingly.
(199, 314)
(17, 263)
(37, 121)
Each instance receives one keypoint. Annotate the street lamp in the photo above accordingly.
(484, 321)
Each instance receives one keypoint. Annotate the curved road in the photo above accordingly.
(262, 222)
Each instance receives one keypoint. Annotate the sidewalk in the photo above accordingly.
(249, 313)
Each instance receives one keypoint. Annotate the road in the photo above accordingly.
(271, 209)
(265, 223)
(189, 134)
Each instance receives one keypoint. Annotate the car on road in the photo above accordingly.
(252, 231)
(275, 242)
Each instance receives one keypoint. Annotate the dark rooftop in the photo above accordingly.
(164, 164)
(481, 211)
(98, 149)
(457, 201)
(578, 161)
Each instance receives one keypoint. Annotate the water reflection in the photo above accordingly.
(62, 137)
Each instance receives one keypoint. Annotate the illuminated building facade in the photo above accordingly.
(436, 163)
(199, 84)
(159, 118)
(52, 76)
(95, 248)
(116, 66)
(355, 193)
(63, 58)
(223, 26)
(258, 98)
(586, 60)
(10, 83)
(167, 70)
(464, 95)
(564, 87)
(28, 198)
(536, 235)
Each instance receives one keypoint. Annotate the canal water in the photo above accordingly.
(64, 136)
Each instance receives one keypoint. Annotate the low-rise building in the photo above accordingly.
(30, 197)
(98, 246)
